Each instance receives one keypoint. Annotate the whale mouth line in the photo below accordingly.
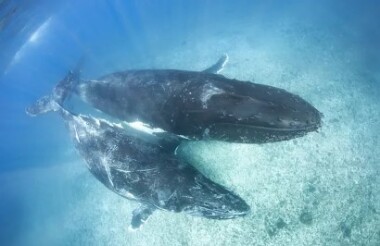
(309, 127)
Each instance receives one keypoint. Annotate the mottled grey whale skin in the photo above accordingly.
(137, 168)
(202, 105)
(144, 172)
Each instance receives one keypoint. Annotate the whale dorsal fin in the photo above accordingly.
(140, 215)
(218, 66)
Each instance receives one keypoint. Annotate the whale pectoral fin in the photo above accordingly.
(140, 215)
(218, 66)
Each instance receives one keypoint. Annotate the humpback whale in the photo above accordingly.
(200, 105)
(142, 170)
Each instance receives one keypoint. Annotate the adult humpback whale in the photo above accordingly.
(141, 170)
(201, 105)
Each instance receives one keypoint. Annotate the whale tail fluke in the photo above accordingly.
(43, 105)
(60, 92)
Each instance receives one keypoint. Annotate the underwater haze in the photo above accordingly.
(320, 189)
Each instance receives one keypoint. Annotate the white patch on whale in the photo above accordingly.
(105, 161)
(127, 194)
(76, 134)
(139, 170)
(141, 126)
(85, 128)
(208, 91)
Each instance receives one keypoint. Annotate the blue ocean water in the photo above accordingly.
(322, 189)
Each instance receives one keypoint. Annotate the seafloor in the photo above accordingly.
(321, 189)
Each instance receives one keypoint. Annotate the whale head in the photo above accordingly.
(260, 114)
(213, 201)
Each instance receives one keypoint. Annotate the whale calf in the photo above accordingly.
(141, 170)
(200, 105)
